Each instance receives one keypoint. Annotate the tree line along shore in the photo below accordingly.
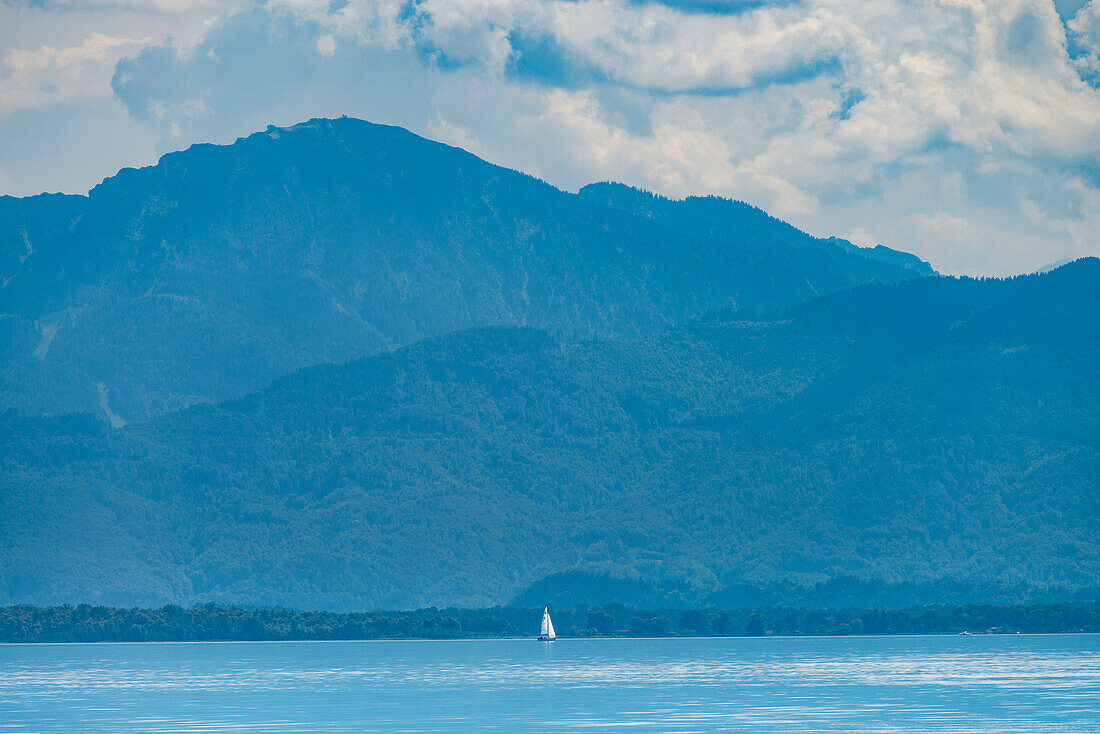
(86, 623)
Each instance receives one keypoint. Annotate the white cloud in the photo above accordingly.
(372, 22)
(1086, 26)
(48, 76)
(992, 76)
(656, 47)
(326, 45)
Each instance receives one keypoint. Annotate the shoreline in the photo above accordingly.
(625, 638)
(85, 624)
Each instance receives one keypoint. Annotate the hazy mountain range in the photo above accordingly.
(223, 267)
(688, 395)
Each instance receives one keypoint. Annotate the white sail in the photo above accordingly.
(547, 631)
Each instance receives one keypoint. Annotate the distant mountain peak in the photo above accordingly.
(1056, 264)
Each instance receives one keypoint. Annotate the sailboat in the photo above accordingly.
(546, 634)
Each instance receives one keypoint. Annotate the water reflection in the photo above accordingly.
(865, 684)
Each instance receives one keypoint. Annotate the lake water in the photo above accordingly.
(1023, 683)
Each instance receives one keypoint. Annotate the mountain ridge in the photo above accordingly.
(222, 267)
(715, 216)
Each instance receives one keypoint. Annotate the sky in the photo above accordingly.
(967, 132)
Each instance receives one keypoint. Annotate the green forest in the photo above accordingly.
(84, 623)
(940, 433)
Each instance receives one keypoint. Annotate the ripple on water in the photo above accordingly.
(1037, 684)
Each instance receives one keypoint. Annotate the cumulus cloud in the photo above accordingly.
(964, 130)
(48, 76)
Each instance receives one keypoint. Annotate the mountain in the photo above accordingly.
(223, 267)
(938, 432)
(772, 245)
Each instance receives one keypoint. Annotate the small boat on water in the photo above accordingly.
(546, 634)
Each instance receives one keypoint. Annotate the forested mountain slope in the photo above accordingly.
(942, 428)
(771, 245)
(223, 267)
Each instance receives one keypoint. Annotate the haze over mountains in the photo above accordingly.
(692, 395)
(912, 445)
(223, 267)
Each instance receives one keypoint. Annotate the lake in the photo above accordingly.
(1025, 683)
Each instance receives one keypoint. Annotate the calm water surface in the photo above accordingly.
(858, 684)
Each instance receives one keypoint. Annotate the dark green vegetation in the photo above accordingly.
(224, 267)
(936, 434)
(771, 247)
(86, 623)
(575, 398)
